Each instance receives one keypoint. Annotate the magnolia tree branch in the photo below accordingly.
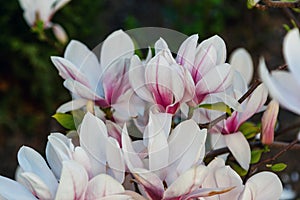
(280, 4)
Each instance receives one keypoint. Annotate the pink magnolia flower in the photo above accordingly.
(174, 160)
(263, 185)
(268, 122)
(161, 81)
(206, 64)
(284, 86)
(106, 83)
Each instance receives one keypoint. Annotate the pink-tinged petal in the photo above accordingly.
(60, 33)
(114, 130)
(118, 197)
(137, 79)
(268, 122)
(93, 137)
(216, 80)
(151, 183)
(115, 159)
(186, 52)
(186, 149)
(232, 180)
(283, 87)
(32, 161)
(207, 192)
(239, 147)
(291, 48)
(80, 156)
(189, 91)
(241, 61)
(68, 70)
(35, 185)
(117, 45)
(82, 91)
(102, 185)
(60, 4)
(205, 60)
(134, 195)
(72, 105)
(13, 190)
(186, 183)
(160, 45)
(73, 181)
(131, 157)
(166, 91)
(58, 149)
(254, 103)
(219, 45)
(261, 186)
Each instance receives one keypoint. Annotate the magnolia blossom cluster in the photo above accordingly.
(124, 95)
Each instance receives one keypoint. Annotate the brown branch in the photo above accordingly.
(280, 4)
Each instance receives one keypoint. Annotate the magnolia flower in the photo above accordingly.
(284, 86)
(171, 159)
(161, 81)
(263, 185)
(268, 122)
(105, 83)
(206, 63)
(41, 10)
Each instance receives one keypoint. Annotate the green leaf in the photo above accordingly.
(256, 155)
(237, 168)
(249, 129)
(66, 120)
(277, 167)
(220, 106)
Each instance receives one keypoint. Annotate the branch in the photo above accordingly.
(280, 4)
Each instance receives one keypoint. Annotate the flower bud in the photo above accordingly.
(60, 33)
(268, 122)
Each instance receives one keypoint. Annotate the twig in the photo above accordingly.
(280, 4)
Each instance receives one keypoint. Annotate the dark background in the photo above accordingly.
(31, 90)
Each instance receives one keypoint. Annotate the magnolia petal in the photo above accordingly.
(73, 181)
(207, 192)
(93, 136)
(291, 47)
(58, 149)
(13, 190)
(35, 185)
(81, 90)
(60, 4)
(115, 159)
(137, 79)
(216, 80)
(160, 45)
(186, 52)
(32, 161)
(102, 185)
(187, 182)
(150, 182)
(261, 186)
(131, 157)
(60, 33)
(80, 156)
(239, 147)
(268, 122)
(71, 105)
(254, 103)
(282, 85)
(241, 60)
(117, 45)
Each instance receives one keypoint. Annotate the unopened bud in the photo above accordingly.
(268, 122)
(60, 33)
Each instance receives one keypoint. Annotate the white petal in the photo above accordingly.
(283, 87)
(261, 186)
(36, 185)
(32, 161)
(241, 60)
(93, 137)
(239, 147)
(115, 159)
(137, 79)
(73, 181)
(117, 45)
(187, 51)
(13, 190)
(102, 185)
(160, 45)
(80, 156)
(187, 182)
(291, 49)
(60, 33)
(71, 105)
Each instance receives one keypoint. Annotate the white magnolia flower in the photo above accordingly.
(284, 86)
